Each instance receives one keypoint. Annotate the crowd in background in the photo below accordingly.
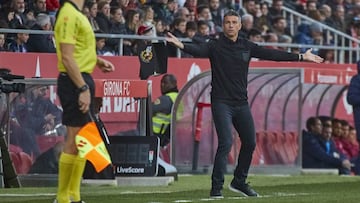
(199, 20)
(330, 143)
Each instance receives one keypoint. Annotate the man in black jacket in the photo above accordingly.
(42, 43)
(229, 57)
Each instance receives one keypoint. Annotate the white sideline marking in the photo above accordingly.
(27, 195)
(145, 192)
(278, 194)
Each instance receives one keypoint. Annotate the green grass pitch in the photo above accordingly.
(195, 188)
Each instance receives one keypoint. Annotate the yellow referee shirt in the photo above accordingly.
(72, 27)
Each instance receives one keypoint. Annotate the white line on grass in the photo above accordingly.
(27, 195)
(278, 194)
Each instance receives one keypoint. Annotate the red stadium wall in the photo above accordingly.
(120, 114)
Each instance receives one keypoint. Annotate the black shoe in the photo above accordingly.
(79, 202)
(243, 189)
(216, 194)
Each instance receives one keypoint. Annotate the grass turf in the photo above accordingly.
(195, 188)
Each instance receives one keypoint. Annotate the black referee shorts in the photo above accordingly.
(69, 100)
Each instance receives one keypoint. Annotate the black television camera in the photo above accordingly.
(10, 87)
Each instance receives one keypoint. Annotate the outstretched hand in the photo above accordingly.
(175, 41)
(308, 56)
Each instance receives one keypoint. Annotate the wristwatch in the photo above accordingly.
(83, 88)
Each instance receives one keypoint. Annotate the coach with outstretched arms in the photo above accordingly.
(229, 57)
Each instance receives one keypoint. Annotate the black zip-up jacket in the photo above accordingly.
(230, 65)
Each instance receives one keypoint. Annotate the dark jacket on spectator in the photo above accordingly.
(113, 43)
(103, 22)
(315, 155)
(42, 43)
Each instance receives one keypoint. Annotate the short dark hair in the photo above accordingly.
(254, 32)
(311, 122)
(232, 13)
(170, 83)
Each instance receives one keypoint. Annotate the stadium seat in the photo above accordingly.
(21, 161)
(270, 154)
(46, 142)
(14, 148)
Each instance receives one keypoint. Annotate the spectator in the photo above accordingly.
(192, 15)
(203, 13)
(172, 7)
(326, 12)
(191, 29)
(179, 27)
(93, 10)
(199, 36)
(310, 6)
(100, 46)
(43, 43)
(271, 38)
(162, 12)
(279, 27)
(2, 42)
(328, 55)
(338, 18)
(351, 150)
(276, 8)
(318, 149)
(86, 11)
(255, 36)
(262, 22)
(117, 27)
(337, 133)
(160, 28)
(216, 14)
(39, 7)
(123, 4)
(310, 35)
(21, 134)
(43, 115)
(183, 13)
(179, 30)
(34, 115)
(248, 8)
(103, 16)
(52, 5)
(203, 32)
(16, 15)
(353, 142)
(19, 44)
(191, 5)
(131, 25)
(148, 18)
(247, 24)
(285, 39)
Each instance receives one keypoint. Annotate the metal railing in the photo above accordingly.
(339, 50)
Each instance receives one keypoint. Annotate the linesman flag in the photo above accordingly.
(92, 147)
